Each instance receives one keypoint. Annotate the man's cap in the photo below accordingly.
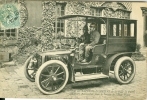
(92, 25)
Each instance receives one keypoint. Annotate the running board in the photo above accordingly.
(89, 77)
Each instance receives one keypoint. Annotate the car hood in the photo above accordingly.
(55, 52)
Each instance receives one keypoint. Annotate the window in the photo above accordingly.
(129, 29)
(98, 12)
(125, 30)
(115, 28)
(92, 11)
(9, 34)
(59, 24)
(103, 29)
(95, 12)
(1, 33)
(132, 30)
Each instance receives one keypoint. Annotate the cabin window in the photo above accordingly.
(115, 28)
(129, 29)
(132, 30)
(103, 29)
(125, 30)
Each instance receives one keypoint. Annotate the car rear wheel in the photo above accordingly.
(124, 70)
(52, 77)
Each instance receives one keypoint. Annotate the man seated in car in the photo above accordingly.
(85, 39)
(94, 39)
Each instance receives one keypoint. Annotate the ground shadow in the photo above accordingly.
(90, 84)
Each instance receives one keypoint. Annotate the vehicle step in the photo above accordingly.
(86, 66)
(83, 77)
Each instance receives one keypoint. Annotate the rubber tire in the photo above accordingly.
(25, 69)
(116, 68)
(40, 70)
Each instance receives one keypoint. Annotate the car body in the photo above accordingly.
(51, 70)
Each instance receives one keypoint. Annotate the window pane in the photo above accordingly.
(62, 7)
(7, 34)
(58, 24)
(114, 30)
(125, 29)
(58, 29)
(62, 25)
(58, 11)
(12, 30)
(62, 29)
(119, 29)
(8, 30)
(132, 30)
(92, 11)
(98, 13)
(13, 34)
(62, 13)
(103, 29)
(1, 32)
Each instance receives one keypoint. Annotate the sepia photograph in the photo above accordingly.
(61, 49)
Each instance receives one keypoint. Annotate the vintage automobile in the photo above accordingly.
(52, 70)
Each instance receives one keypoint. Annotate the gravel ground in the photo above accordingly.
(13, 84)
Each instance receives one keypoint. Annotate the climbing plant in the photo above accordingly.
(48, 19)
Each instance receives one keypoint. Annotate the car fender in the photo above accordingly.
(70, 69)
(112, 58)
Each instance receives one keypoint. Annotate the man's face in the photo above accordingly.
(92, 28)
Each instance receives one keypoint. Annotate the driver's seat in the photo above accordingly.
(99, 48)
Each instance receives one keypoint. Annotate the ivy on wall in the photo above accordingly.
(47, 25)
(40, 38)
(77, 7)
(29, 41)
(29, 36)
(45, 41)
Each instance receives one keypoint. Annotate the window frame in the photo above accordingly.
(9, 41)
(117, 23)
(93, 11)
(57, 23)
(129, 28)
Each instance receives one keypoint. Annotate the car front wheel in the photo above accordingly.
(52, 77)
(124, 70)
(29, 71)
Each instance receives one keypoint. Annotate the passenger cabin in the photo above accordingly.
(117, 35)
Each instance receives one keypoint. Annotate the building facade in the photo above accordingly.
(41, 28)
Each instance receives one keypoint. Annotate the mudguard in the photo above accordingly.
(111, 58)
